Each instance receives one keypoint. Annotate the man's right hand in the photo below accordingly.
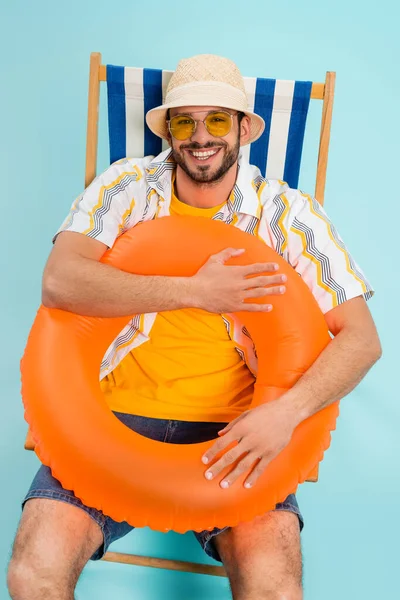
(221, 288)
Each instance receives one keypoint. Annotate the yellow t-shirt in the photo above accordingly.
(189, 370)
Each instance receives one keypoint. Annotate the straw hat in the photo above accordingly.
(205, 80)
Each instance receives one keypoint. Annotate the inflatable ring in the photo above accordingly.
(146, 482)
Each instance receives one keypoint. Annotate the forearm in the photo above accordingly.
(91, 288)
(335, 373)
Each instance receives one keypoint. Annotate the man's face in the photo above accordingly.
(203, 157)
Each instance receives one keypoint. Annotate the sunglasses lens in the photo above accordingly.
(182, 127)
(218, 124)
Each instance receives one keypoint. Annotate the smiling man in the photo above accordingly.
(187, 375)
(209, 162)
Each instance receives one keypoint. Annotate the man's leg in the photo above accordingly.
(263, 557)
(54, 541)
(58, 534)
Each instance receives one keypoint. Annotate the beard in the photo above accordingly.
(202, 174)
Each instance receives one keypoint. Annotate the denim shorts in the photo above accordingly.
(45, 485)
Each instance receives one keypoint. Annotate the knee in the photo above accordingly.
(21, 580)
(26, 582)
(287, 593)
(291, 593)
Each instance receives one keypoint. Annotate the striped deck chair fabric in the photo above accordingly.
(282, 104)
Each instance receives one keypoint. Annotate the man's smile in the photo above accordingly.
(204, 155)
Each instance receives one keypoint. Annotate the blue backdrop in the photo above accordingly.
(350, 540)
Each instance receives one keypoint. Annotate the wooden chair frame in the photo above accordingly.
(98, 72)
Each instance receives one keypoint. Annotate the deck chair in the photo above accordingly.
(282, 104)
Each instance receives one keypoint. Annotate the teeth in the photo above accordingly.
(204, 155)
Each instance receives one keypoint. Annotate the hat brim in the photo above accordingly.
(156, 118)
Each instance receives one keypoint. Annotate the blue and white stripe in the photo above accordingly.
(283, 105)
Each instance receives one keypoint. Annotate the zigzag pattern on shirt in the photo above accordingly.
(158, 169)
(241, 354)
(236, 199)
(322, 263)
(317, 208)
(125, 337)
(277, 226)
(226, 323)
(230, 218)
(252, 225)
(123, 161)
(258, 181)
(149, 193)
(368, 295)
(219, 216)
(106, 198)
(245, 332)
(74, 211)
(126, 217)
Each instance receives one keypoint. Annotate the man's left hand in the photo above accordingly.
(261, 434)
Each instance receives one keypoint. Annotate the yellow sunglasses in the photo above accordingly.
(218, 124)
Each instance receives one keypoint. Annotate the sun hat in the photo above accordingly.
(205, 80)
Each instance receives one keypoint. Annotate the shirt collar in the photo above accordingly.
(243, 198)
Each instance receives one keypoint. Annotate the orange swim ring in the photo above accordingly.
(133, 478)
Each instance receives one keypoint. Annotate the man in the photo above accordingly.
(182, 375)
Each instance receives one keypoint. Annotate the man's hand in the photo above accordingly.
(221, 288)
(261, 434)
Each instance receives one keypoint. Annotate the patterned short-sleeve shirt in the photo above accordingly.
(292, 223)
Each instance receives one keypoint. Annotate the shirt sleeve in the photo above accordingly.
(103, 209)
(320, 256)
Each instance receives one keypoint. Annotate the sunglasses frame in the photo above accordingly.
(212, 112)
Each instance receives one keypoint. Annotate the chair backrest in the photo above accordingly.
(282, 104)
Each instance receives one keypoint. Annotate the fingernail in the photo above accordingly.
(282, 289)
(247, 485)
(284, 278)
(205, 460)
(276, 267)
(224, 484)
(268, 308)
(209, 475)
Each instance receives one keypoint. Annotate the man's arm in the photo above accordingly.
(318, 254)
(264, 431)
(76, 281)
(342, 364)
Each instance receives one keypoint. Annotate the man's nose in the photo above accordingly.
(201, 134)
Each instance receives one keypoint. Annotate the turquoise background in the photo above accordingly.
(350, 541)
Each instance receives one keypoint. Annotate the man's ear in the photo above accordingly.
(245, 130)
